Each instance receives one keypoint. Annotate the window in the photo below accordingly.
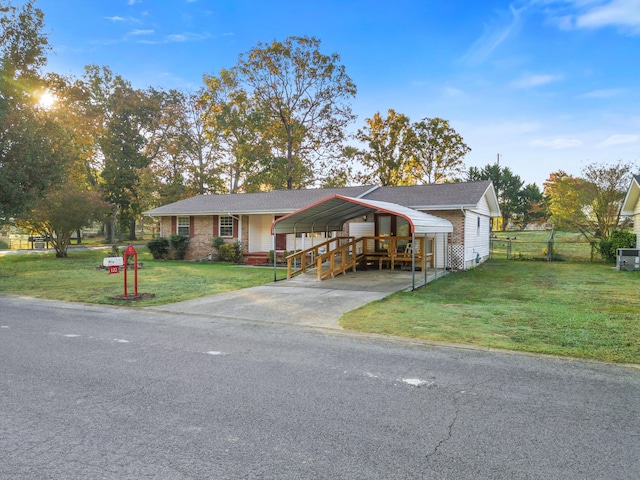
(478, 226)
(225, 226)
(183, 226)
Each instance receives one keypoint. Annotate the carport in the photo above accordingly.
(331, 215)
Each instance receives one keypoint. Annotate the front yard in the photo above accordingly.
(75, 278)
(580, 310)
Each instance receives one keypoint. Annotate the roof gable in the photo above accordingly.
(632, 198)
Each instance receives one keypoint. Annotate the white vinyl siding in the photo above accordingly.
(260, 239)
(636, 223)
(477, 235)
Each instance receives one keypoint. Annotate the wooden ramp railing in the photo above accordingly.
(340, 254)
(335, 253)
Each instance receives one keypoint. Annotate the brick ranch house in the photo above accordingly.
(249, 217)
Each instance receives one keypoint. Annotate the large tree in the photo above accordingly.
(437, 151)
(305, 95)
(387, 155)
(125, 119)
(508, 186)
(531, 207)
(240, 128)
(589, 204)
(32, 144)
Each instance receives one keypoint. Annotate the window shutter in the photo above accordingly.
(236, 234)
(191, 227)
(215, 226)
(174, 225)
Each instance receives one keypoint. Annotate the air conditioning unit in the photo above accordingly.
(628, 259)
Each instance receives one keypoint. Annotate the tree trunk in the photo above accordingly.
(132, 230)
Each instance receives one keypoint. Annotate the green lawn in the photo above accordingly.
(572, 309)
(76, 279)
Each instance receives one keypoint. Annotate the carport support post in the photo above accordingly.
(275, 270)
(413, 260)
(424, 258)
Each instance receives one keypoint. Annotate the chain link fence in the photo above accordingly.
(512, 248)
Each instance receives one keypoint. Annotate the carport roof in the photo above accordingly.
(333, 212)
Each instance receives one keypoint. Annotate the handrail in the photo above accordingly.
(307, 258)
(343, 253)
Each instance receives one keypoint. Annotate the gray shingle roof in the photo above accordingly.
(434, 196)
(276, 201)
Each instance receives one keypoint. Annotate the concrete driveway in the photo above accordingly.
(299, 301)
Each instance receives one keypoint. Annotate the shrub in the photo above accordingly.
(618, 239)
(178, 244)
(4, 245)
(231, 252)
(217, 242)
(159, 247)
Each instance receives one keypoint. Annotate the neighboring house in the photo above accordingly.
(631, 206)
(248, 218)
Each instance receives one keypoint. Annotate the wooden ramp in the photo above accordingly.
(342, 254)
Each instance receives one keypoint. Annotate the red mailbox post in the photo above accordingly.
(131, 251)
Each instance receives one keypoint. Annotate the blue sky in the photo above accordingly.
(547, 84)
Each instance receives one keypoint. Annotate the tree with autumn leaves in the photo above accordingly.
(398, 152)
(590, 203)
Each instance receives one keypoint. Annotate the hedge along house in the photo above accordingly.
(631, 206)
(248, 218)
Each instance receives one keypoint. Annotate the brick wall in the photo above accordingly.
(200, 242)
(456, 217)
(244, 236)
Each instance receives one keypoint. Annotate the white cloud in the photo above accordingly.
(141, 32)
(535, 80)
(557, 143)
(453, 92)
(116, 18)
(592, 14)
(618, 139)
(493, 37)
(604, 93)
(624, 14)
(508, 129)
(177, 38)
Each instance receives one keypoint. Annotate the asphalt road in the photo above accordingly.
(111, 393)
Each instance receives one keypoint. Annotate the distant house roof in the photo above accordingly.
(443, 196)
(632, 198)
